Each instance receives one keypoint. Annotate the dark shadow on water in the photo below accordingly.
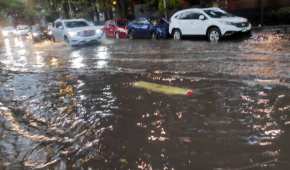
(233, 38)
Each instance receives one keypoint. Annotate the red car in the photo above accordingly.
(116, 28)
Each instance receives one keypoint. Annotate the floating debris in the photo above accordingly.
(169, 90)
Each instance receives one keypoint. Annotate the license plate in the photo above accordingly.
(89, 32)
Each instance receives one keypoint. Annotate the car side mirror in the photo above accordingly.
(201, 17)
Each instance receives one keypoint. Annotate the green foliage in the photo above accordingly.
(282, 15)
(29, 14)
(9, 5)
(14, 7)
(170, 4)
(285, 11)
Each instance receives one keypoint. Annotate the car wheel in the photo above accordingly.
(106, 35)
(67, 41)
(117, 35)
(214, 35)
(177, 35)
(53, 39)
(154, 36)
(130, 35)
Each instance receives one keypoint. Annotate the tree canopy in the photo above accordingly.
(10, 5)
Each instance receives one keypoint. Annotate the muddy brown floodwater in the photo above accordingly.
(64, 108)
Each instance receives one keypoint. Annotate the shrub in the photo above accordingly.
(282, 15)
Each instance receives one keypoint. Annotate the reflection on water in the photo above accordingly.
(76, 108)
(102, 56)
(15, 53)
(39, 59)
(77, 59)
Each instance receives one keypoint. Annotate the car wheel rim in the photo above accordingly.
(214, 36)
(176, 35)
(153, 36)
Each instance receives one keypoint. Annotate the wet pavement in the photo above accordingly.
(76, 108)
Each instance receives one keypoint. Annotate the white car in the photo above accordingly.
(8, 31)
(22, 30)
(76, 31)
(211, 22)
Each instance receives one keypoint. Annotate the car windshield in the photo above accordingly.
(217, 14)
(121, 23)
(22, 27)
(74, 24)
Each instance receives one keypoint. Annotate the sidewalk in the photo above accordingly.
(275, 28)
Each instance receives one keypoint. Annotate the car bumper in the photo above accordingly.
(84, 40)
(123, 34)
(230, 30)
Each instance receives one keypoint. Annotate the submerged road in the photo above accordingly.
(73, 108)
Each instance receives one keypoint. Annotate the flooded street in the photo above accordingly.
(76, 108)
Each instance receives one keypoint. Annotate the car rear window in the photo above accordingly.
(121, 23)
(75, 24)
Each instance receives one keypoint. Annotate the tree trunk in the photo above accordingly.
(96, 12)
(65, 9)
(122, 8)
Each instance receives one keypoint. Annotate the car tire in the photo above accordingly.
(177, 35)
(66, 40)
(249, 33)
(117, 35)
(53, 39)
(130, 35)
(106, 36)
(154, 36)
(214, 34)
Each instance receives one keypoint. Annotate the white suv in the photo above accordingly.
(76, 31)
(211, 22)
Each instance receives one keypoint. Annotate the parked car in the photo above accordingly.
(76, 31)
(211, 22)
(8, 31)
(116, 28)
(22, 30)
(154, 28)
